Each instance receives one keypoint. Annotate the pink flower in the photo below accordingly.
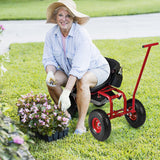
(35, 124)
(36, 116)
(27, 110)
(38, 99)
(55, 114)
(25, 116)
(43, 116)
(30, 116)
(18, 140)
(55, 106)
(65, 123)
(41, 122)
(23, 120)
(45, 104)
(59, 118)
(64, 119)
(48, 107)
(21, 111)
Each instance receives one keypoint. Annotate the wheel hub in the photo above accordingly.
(96, 125)
(133, 116)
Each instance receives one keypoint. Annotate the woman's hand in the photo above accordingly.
(50, 77)
(64, 100)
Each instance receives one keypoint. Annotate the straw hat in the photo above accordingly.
(70, 4)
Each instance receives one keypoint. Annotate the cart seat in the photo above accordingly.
(115, 77)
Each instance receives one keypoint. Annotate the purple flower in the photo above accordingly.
(18, 140)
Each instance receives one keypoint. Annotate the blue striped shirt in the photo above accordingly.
(80, 54)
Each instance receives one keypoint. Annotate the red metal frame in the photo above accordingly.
(123, 111)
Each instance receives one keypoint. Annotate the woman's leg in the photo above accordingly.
(55, 92)
(83, 97)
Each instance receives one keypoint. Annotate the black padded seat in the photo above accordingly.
(115, 77)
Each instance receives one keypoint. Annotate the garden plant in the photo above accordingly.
(39, 115)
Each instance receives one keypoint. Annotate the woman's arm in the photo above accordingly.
(71, 82)
(51, 68)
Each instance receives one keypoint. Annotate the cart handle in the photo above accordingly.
(142, 68)
(150, 45)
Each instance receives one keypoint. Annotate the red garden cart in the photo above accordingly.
(134, 111)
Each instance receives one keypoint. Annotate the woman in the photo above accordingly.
(70, 58)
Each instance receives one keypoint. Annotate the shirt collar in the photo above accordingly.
(71, 32)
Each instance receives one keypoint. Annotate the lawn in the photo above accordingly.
(36, 9)
(26, 73)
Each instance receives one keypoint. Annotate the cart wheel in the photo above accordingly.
(99, 124)
(138, 118)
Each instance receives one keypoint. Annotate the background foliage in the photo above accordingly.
(36, 9)
(26, 73)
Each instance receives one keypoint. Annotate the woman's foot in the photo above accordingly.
(80, 131)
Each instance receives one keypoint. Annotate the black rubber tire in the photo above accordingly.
(99, 105)
(99, 124)
(136, 119)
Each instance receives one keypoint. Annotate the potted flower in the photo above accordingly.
(39, 115)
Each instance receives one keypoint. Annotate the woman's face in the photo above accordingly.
(64, 20)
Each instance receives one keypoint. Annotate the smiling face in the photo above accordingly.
(64, 20)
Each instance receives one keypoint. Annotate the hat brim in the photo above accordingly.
(80, 17)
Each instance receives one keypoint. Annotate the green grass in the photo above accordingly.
(26, 73)
(36, 9)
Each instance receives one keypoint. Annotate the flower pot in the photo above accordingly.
(65, 132)
(54, 137)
